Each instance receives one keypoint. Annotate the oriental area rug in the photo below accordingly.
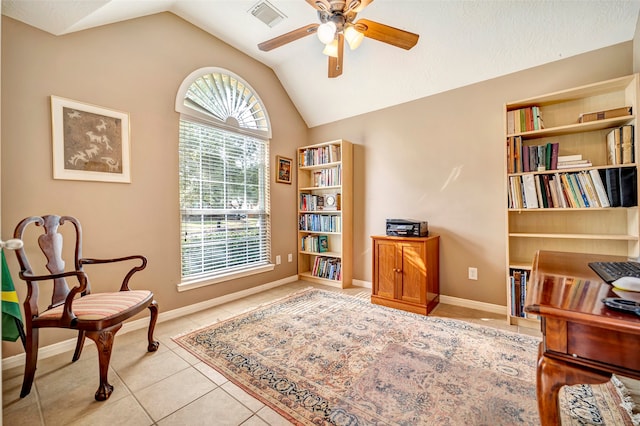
(319, 357)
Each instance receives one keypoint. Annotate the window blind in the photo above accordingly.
(224, 200)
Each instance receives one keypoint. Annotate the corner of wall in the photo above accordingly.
(636, 47)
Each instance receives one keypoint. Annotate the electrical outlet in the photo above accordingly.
(473, 273)
(290, 257)
(278, 260)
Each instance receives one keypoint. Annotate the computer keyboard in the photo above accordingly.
(611, 271)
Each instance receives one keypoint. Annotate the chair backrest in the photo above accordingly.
(51, 244)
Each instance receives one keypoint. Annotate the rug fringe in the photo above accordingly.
(627, 401)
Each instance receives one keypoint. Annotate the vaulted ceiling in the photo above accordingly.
(461, 41)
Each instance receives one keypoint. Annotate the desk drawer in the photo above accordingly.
(604, 345)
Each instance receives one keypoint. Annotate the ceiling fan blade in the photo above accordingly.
(387, 34)
(335, 64)
(320, 4)
(294, 35)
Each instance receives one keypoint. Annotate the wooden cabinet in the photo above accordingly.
(549, 219)
(406, 273)
(325, 213)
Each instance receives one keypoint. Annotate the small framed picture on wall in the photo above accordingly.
(283, 169)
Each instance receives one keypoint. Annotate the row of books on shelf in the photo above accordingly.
(327, 177)
(531, 158)
(327, 267)
(315, 243)
(321, 155)
(620, 148)
(518, 279)
(536, 158)
(320, 223)
(524, 120)
(314, 202)
(620, 145)
(611, 187)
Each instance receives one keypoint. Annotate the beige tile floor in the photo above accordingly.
(169, 387)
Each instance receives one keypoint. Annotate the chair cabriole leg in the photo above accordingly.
(30, 361)
(79, 346)
(104, 343)
(153, 344)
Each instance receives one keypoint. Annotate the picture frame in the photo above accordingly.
(283, 169)
(90, 143)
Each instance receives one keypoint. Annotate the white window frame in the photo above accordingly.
(193, 115)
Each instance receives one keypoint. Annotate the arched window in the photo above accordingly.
(224, 179)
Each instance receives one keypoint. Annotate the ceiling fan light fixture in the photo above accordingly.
(331, 49)
(352, 5)
(353, 37)
(327, 32)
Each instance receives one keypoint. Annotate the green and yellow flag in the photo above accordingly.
(10, 305)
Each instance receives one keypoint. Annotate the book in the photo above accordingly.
(601, 191)
(612, 181)
(542, 202)
(628, 186)
(511, 125)
(553, 189)
(518, 154)
(542, 158)
(530, 194)
(580, 191)
(589, 189)
(603, 115)
(572, 198)
(613, 156)
(626, 144)
(572, 157)
(562, 195)
(519, 192)
(525, 159)
(547, 191)
(555, 147)
(574, 164)
(510, 155)
(576, 198)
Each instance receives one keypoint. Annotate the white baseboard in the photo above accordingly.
(473, 304)
(70, 344)
(360, 283)
(455, 301)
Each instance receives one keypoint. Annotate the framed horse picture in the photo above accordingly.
(89, 142)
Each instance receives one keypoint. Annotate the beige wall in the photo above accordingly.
(636, 47)
(441, 159)
(134, 66)
(438, 159)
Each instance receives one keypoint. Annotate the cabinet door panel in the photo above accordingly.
(385, 283)
(412, 288)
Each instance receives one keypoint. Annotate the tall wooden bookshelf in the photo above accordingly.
(325, 213)
(572, 228)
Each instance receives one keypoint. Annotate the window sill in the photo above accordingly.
(205, 281)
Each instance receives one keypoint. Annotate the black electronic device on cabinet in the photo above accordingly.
(407, 228)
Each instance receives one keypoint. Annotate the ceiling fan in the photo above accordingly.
(337, 24)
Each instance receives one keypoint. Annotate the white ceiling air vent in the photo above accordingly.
(267, 13)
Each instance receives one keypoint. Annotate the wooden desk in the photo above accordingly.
(584, 342)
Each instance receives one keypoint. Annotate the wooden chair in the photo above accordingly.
(97, 316)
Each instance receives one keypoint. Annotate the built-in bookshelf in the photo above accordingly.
(325, 213)
(571, 178)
